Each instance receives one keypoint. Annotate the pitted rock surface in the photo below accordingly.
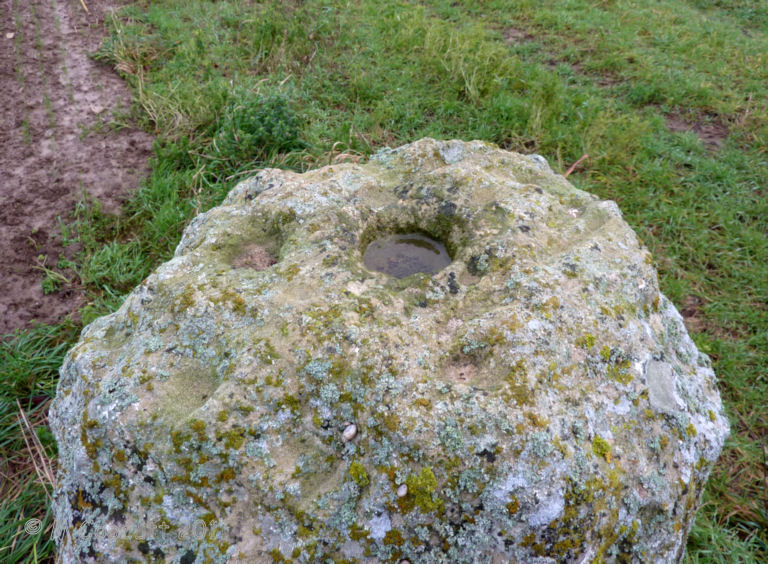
(264, 397)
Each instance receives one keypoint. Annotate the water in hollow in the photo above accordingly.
(401, 255)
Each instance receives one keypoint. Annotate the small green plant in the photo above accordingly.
(52, 280)
(254, 128)
(18, 41)
(49, 107)
(64, 263)
(25, 132)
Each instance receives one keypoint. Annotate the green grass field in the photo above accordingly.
(668, 99)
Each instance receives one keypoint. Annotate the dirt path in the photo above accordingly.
(55, 105)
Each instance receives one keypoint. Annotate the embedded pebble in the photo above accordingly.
(350, 432)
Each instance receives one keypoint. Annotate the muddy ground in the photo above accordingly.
(57, 104)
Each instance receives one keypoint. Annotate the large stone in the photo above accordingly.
(264, 397)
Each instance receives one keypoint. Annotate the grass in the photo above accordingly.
(30, 362)
(339, 80)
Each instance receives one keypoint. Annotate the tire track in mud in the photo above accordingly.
(56, 107)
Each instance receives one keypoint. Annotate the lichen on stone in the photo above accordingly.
(538, 398)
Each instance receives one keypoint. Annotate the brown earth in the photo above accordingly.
(693, 315)
(57, 105)
(710, 130)
(513, 35)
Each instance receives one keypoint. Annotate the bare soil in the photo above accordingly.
(513, 35)
(710, 130)
(57, 144)
(693, 315)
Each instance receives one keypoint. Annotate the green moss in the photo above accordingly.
(391, 422)
(232, 297)
(226, 475)
(620, 373)
(186, 299)
(291, 402)
(594, 495)
(91, 446)
(358, 473)
(618, 365)
(586, 341)
(265, 352)
(517, 380)
(177, 439)
(290, 272)
(537, 420)
(394, 538)
(81, 502)
(303, 532)
(421, 489)
(691, 431)
(198, 427)
(422, 402)
(233, 438)
(277, 556)
(601, 448)
(115, 481)
(358, 533)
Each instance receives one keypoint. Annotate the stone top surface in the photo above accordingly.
(538, 399)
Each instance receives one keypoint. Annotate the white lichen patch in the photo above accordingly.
(263, 396)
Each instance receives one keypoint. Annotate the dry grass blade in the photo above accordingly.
(765, 480)
(38, 457)
(337, 155)
(15, 538)
(574, 165)
(82, 3)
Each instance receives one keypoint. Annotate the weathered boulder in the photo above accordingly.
(263, 396)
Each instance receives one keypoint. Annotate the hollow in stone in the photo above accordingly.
(401, 255)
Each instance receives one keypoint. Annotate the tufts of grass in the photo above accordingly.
(252, 130)
(27, 449)
(232, 86)
(29, 363)
(30, 360)
(711, 542)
